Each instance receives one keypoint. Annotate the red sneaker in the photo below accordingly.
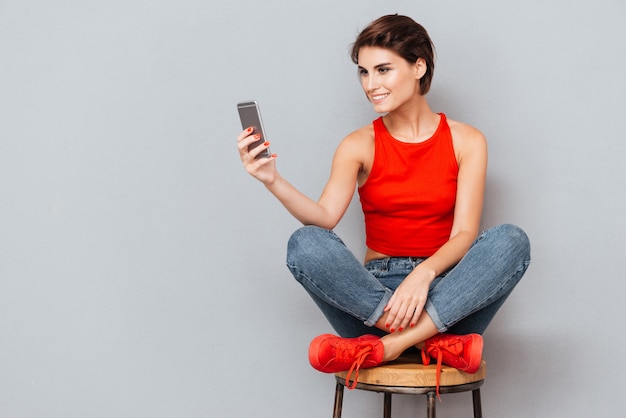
(463, 352)
(331, 354)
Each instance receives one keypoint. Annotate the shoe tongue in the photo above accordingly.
(352, 351)
(454, 348)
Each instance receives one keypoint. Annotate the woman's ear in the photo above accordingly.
(420, 67)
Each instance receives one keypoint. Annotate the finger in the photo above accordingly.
(415, 317)
(391, 313)
(387, 307)
(258, 149)
(410, 315)
(245, 133)
(413, 313)
(244, 139)
(404, 321)
(417, 313)
(244, 146)
(396, 323)
(248, 139)
(391, 318)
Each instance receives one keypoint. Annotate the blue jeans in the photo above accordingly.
(462, 300)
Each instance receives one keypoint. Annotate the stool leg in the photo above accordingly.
(478, 409)
(387, 406)
(338, 401)
(431, 404)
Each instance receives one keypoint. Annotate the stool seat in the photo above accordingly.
(408, 371)
(407, 375)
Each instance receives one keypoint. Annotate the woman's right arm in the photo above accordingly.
(329, 209)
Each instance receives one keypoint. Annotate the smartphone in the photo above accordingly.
(250, 116)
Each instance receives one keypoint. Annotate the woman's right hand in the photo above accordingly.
(264, 168)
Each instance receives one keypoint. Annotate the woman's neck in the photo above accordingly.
(413, 122)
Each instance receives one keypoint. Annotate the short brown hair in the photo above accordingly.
(402, 35)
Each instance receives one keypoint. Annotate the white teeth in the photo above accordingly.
(380, 96)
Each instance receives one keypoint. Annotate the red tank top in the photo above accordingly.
(408, 199)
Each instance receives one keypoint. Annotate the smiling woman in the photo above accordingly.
(382, 72)
(429, 279)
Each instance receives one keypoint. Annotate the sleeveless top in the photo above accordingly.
(409, 197)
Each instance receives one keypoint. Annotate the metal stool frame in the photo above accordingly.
(429, 391)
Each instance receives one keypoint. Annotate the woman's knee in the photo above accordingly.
(308, 243)
(512, 239)
(301, 239)
(517, 236)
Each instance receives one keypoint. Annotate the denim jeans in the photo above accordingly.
(462, 300)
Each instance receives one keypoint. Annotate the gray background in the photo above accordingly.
(142, 270)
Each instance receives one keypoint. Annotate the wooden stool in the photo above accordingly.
(407, 375)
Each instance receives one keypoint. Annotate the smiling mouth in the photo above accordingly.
(378, 97)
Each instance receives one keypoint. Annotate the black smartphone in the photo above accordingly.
(250, 116)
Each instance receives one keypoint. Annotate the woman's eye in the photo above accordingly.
(383, 70)
(362, 72)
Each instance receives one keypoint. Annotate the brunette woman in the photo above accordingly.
(430, 279)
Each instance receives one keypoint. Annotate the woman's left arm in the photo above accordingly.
(407, 302)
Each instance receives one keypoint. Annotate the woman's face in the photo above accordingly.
(388, 80)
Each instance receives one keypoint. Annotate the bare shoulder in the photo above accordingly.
(361, 136)
(359, 143)
(357, 150)
(466, 138)
(465, 132)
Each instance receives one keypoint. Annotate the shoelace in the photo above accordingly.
(455, 348)
(361, 355)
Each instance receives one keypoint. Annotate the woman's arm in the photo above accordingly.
(336, 196)
(408, 301)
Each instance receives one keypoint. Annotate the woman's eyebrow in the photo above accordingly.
(385, 64)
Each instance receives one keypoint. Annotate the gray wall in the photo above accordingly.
(142, 270)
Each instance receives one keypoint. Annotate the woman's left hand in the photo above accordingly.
(407, 303)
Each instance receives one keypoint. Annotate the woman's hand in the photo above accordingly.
(263, 169)
(407, 303)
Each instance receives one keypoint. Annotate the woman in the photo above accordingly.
(429, 280)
